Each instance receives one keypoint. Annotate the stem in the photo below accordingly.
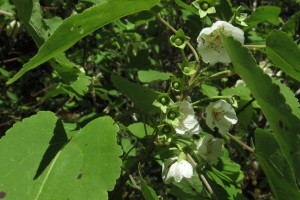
(6, 13)
(174, 30)
(255, 46)
(211, 98)
(240, 143)
(201, 176)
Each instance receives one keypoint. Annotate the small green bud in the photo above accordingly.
(186, 70)
(164, 100)
(204, 6)
(176, 85)
(172, 115)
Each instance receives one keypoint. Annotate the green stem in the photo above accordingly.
(174, 31)
(211, 98)
(255, 46)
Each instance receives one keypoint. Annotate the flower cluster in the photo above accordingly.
(179, 122)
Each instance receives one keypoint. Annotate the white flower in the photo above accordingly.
(240, 83)
(210, 148)
(210, 44)
(220, 115)
(13, 28)
(188, 123)
(178, 170)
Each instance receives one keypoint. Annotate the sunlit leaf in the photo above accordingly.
(40, 159)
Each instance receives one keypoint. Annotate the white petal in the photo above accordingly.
(210, 44)
(172, 171)
(185, 169)
(209, 116)
(185, 107)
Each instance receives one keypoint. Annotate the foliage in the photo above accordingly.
(133, 99)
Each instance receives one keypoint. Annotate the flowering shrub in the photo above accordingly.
(136, 112)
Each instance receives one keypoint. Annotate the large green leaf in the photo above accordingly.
(274, 104)
(41, 160)
(141, 96)
(78, 26)
(284, 53)
(275, 166)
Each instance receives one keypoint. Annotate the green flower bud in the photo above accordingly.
(186, 70)
(204, 5)
(164, 100)
(179, 40)
(176, 85)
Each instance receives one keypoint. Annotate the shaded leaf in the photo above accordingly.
(280, 115)
(263, 14)
(148, 192)
(284, 53)
(275, 166)
(142, 97)
(139, 129)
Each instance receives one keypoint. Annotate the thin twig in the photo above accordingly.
(255, 46)
(240, 143)
(10, 60)
(174, 30)
(206, 184)
(6, 13)
(201, 176)
(134, 182)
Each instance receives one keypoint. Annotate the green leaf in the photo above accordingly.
(139, 129)
(37, 27)
(152, 75)
(275, 166)
(31, 15)
(148, 192)
(265, 13)
(284, 53)
(209, 91)
(281, 116)
(42, 160)
(78, 26)
(142, 97)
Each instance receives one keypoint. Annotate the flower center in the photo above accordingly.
(217, 114)
(178, 41)
(166, 129)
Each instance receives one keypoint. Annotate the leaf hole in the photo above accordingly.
(79, 176)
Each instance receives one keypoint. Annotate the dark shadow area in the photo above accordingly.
(58, 141)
